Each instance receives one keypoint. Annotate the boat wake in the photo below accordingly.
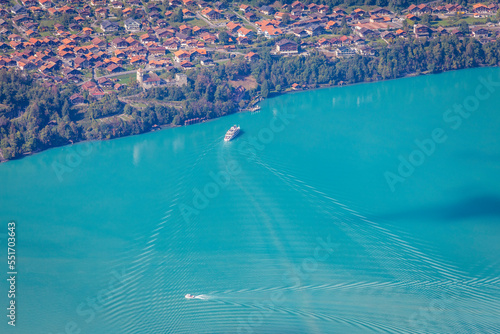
(204, 297)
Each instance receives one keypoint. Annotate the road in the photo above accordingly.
(201, 17)
(245, 19)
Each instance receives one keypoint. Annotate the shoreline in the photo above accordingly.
(273, 95)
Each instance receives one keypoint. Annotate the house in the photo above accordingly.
(332, 24)
(251, 16)
(480, 33)
(45, 4)
(381, 12)
(108, 26)
(412, 17)
(184, 29)
(339, 11)
(131, 25)
(114, 68)
(15, 38)
(81, 63)
(97, 93)
(75, 27)
(119, 87)
(312, 8)
(364, 50)
(119, 43)
(387, 36)
(267, 10)
(156, 51)
(211, 14)
(323, 9)
(365, 32)
(251, 56)
(105, 82)
(88, 85)
(297, 5)
(164, 33)
(232, 26)
(244, 8)
(116, 4)
(76, 99)
(99, 42)
(440, 30)
(457, 33)
(493, 7)
(18, 10)
(25, 65)
(424, 9)
(97, 3)
(286, 46)
(101, 13)
(270, 31)
(420, 9)
(162, 23)
(187, 14)
(186, 65)
(171, 45)
(206, 61)
(344, 51)
(480, 9)
(421, 30)
(182, 55)
(299, 32)
(71, 71)
(314, 30)
(151, 79)
(323, 43)
(244, 32)
(147, 38)
(127, 12)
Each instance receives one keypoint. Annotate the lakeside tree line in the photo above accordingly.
(397, 60)
(35, 116)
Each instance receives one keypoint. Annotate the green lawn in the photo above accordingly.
(250, 27)
(197, 22)
(451, 22)
(125, 79)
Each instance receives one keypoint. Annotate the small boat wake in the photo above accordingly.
(190, 296)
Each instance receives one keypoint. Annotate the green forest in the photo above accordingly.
(35, 116)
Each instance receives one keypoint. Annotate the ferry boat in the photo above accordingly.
(232, 133)
(189, 296)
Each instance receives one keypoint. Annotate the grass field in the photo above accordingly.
(197, 22)
(125, 79)
(248, 82)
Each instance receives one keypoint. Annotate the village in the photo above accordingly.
(105, 46)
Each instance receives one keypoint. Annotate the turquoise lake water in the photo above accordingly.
(368, 208)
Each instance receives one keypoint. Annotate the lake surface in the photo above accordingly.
(369, 208)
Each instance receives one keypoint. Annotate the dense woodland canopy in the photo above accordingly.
(402, 58)
(35, 116)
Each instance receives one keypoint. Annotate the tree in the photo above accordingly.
(223, 37)
(286, 19)
(464, 27)
(178, 16)
(425, 19)
(264, 89)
